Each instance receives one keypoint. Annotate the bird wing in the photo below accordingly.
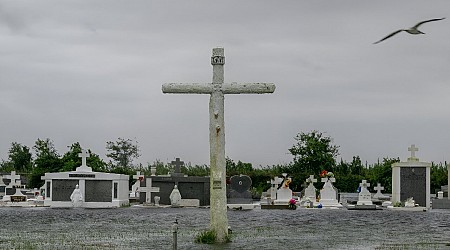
(386, 37)
(426, 21)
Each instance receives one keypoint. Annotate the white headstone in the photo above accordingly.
(310, 191)
(379, 188)
(364, 196)
(328, 194)
(217, 91)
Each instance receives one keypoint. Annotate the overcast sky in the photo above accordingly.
(91, 71)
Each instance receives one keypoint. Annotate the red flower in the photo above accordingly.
(323, 173)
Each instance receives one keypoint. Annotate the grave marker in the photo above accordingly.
(217, 90)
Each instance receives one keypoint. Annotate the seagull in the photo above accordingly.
(413, 30)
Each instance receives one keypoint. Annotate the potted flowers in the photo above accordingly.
(292, 204)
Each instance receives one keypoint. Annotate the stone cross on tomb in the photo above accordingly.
(148, 190)
(364, 185)
(217, 91)
(84, 167)
(311, 180)
(413, 151)
(378, 188)
(15, 179)
(177, 165)
(325, 179)
(84, 155)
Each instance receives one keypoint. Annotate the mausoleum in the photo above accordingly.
(96, 189)
(411, 179)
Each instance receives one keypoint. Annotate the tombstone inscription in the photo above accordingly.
(217, 90)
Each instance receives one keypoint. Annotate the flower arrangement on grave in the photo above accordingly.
(326, 174)
(292, 204)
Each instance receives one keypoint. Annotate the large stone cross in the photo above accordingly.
(13, 177)
(148, 190)
(217, 91)
(413, 149)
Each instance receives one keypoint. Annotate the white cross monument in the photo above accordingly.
(413, 149)
(217, 89)
(84, 167)
(15, 179)
(148, 190)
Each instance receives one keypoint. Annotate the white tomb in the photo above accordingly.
(328, 194)
(97, 189)
(364, 196)
(411, 179)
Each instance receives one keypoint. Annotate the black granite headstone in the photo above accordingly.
(98, 191)
(62, 189)
(240, 190)
(413, 184)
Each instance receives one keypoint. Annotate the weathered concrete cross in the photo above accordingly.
(217, 89)
(413, 151)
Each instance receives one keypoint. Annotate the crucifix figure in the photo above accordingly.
(217, 90)
(413, 151)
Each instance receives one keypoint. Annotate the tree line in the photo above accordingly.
(312, 153)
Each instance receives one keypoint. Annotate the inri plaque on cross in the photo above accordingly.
(217, 89)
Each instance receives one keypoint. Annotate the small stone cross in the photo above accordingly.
(413, 149)
(178, 164)
(378, 188)
(311, 179)
(364, 184)
(332, 179)
(13, 177)
(84, 155)
(148, 190)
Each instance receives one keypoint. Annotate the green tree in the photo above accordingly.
(47, 160)
(19, 158)
(438, 176)
(312, 153)
(122, 152)
(71, 160)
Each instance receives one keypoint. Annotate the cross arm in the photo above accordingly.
(187, 88)
(248, 88)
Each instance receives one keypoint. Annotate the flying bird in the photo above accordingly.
(413, 30)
